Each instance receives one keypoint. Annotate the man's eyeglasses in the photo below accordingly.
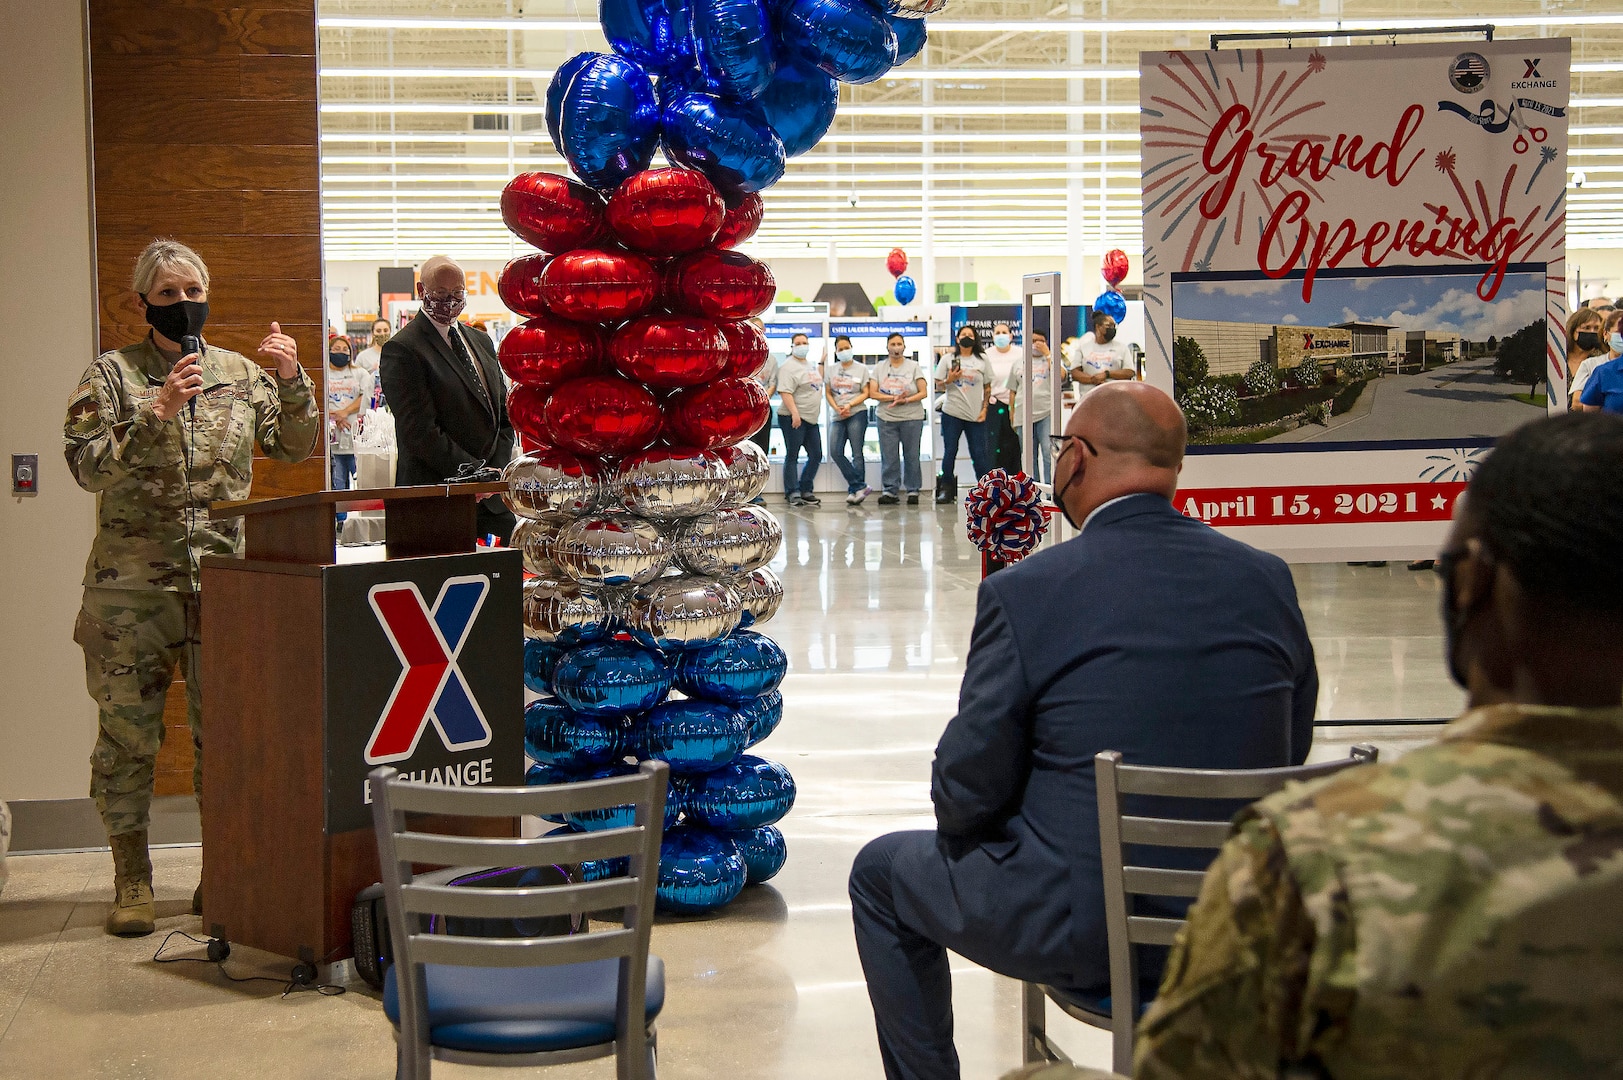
(1057, 444)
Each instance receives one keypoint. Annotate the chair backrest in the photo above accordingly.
(411, 905)
(1122, 882)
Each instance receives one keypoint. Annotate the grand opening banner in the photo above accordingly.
(1354, 278)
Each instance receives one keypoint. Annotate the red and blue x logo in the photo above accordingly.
(430, 686)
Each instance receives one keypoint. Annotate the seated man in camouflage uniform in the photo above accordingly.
(143, 421)
(1457, 912)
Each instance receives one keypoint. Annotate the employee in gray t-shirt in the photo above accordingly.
(800, 407)
(899, 386)
(964, 379)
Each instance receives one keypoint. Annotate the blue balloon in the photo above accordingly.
(763, 715)
(910, 37)
(608, 120)
(849, 39)
(744, 794)
(694, 736)
(670, 87)
(732, 41)
(556, 735)
(654, 33)
(1111, 303)
(906, 289)
(616, 817)
(728, 141)
(699, 871)
(735, 669)
(764, 851)
(555, 93)
(540, 659)
(799, 104)
(539, 775)
(608, 678)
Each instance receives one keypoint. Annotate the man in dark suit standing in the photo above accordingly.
(1150, 634)
(444, 386)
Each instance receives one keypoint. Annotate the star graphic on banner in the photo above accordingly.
(1438, 502)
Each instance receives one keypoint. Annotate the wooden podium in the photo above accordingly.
(315, 671)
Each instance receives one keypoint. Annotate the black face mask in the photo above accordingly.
(1077, 473)
(1588, 341)
(1106, 336)
(338, 359)
(966, 343)
(183, 318)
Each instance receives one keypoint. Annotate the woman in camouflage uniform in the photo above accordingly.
(158, 436)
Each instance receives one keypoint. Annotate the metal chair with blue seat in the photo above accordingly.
(516, 1000)
(1123, 881)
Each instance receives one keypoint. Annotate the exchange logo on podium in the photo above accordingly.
(430, 687)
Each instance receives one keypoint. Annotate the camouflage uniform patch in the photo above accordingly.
(1452, 914)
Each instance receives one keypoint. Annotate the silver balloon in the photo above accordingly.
(760, 593)
(914, 9)
(566, 612)
(612, 549)
(536, 537)
(748, 470)
(729, 541)
(665, 485)
(548, 482)
(680, 612)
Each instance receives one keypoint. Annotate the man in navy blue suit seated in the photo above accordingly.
(1150, 634)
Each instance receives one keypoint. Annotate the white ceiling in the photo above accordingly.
(1015, 132)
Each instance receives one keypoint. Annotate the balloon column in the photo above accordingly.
(632, 398)
(1114, 271)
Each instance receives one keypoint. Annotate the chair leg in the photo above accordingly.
(1121, 1037)
(1034, 1045)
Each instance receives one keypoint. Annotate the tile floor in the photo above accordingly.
(876, 619)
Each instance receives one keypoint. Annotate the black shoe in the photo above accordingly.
(912, 498)
(1423, 564)
(888, 499)
(808, 497)
(796, 500)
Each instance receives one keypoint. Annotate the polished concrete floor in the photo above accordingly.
(876, 621)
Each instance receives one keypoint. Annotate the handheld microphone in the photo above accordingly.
(189, 344)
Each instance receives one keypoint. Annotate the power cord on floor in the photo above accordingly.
(302, 977)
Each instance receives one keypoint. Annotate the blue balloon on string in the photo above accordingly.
(905, 289)
(764, 851)
(763, 715)
(743, 794)
(694, 736)
(654, 33)
(736, 669)
(729, 141)
(910, 37)
(555, 93)
(672, 86)
(540, 659)
(608, 120)
(849, 39)
(609, 678)
(1111, 303)
(556, 735)
(799, 104)
(699, 871)
(732, 41)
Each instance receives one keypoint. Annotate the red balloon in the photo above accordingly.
(747, 350)
(720, 414)
(666, 212)
(545, 351)
(669, 350)
(740, 223)
(719, 285)
(519, 285)
(552, 212)
(896, 262)
(1114, 269)
(524, 411)
(594, 285)
(602, 415)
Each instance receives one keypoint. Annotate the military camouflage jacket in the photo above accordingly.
(136, 464)
(1456, 913)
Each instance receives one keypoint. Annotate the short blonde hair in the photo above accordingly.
(164, 254)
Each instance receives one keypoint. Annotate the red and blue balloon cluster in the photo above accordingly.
(730, 88)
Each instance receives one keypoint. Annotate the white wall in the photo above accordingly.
(48, 304)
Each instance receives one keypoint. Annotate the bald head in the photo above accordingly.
(1128, 439)
(441, 272)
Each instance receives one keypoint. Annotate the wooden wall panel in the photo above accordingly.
(205, 128)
